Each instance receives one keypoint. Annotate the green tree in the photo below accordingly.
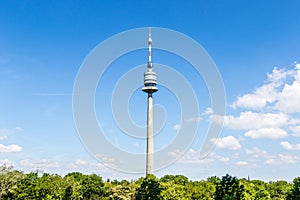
(51, 186)
(295, 190)
(8, 180)
(173, 191)
(178, 179)
(258, 190)
(150, 189)
(229, 188)
(249, 189)
(201, 190)
(214, 179)
(278, 190)
(26, 187)
(123, 190)
(262, 195)
(73, 189)
(91, 186)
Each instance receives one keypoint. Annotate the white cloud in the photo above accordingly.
(80, 162)
(295, 130)
(257, 152)
(272, 161)
(289, 146)
(218, 119)
(258, 99)
(246, 164)
(289, 98)
(208, 111)
(251, 120)
(108, 160)
(10, 148)
(241, 163)
(283, 159)
(297, 73)
(263, 95)
(270, 133)
(206, 160)
(224, 159)
(3, 137)
(285, 95)
(177, 127)
(175, 153)
(294, 122)
(275, 89)
(43, 163)
(62, 166)
(228, 142)
(277, 75)
(219, 158)
(191, 156)
(7, 162)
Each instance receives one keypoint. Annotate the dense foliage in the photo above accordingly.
(18, 185)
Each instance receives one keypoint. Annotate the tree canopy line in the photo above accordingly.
(75, 185)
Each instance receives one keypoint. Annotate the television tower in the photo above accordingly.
(150, 88)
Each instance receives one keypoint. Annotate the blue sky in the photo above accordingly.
(254, 44)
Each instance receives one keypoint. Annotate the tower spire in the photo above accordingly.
(149, 50)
